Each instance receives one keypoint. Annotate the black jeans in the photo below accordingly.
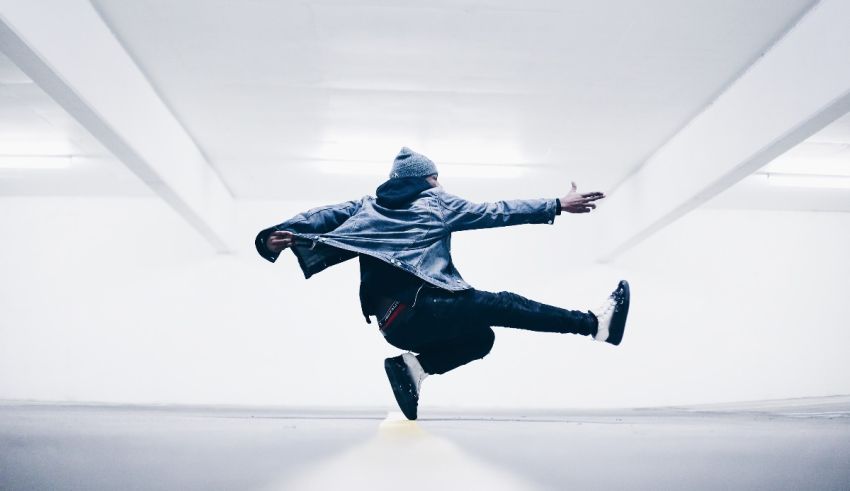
(450, 329)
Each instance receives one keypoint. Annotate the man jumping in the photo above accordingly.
(409, 282)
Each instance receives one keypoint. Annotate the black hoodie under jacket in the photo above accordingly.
(377, 278)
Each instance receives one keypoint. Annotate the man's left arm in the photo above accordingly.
(314, 221)
(460, 214)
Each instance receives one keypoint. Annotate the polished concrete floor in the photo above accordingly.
(791, 444)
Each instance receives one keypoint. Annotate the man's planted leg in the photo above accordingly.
(438, 356)
(442, 356)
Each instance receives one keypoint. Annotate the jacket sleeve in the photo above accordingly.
(460, 214)
(314, 221)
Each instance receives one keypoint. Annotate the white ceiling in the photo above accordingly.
(36, 132)
(274, 92)
(277, 93)
(826, 153)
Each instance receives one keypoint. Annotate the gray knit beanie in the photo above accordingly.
(411, 164)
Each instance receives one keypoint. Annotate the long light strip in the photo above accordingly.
(446, 170)
(17, 162)
(808, 181)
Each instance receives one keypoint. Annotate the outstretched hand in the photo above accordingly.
(575, 202)
(278, 240)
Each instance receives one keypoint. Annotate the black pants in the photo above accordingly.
(450, 329)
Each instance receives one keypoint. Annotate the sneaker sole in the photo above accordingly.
(401, 398)
(618, 323)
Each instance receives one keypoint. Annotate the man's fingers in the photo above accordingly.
(590, 200)
(280, 239)
(573, 187)
(280, 243)
(593, 196)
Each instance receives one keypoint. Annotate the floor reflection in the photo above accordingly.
(403, 456)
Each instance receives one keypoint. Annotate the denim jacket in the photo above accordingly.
(415, 237)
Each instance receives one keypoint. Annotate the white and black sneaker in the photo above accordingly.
(611, 315)
(406, 376)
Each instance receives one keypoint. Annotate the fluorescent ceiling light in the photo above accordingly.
(478, 171)
(28, 163)
(497, 171)
(473, 151)
(821, 159)
(822, 167)
(465, 150)
(360, 148)
(354, 168)
(808, 181)
(36, 147)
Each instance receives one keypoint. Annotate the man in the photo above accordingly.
(409, 282)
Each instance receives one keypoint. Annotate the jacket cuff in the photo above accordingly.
(557, 206)
(260, 244)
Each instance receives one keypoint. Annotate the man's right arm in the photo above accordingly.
(271, 241)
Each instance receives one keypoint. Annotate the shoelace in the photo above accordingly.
(608, 307)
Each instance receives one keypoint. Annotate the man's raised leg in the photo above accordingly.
(505, 309)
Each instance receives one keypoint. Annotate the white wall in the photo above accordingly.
(107, 299)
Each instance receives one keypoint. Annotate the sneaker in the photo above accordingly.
(405, 386)
(611, 315)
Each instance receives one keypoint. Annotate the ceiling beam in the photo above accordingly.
(801, 84)
(65, 47)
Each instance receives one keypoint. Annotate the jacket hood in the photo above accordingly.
(401, 191)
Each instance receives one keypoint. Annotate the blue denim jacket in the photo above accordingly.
(415, 237)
